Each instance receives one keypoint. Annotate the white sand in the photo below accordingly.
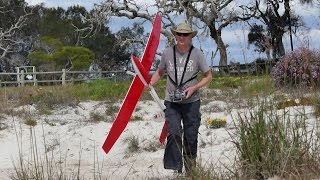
(69, 135)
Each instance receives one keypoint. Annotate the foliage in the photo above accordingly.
(96, 117)
(15, 19)
(55, 23)
(110, 55)
(271, 144)
(50, 44)
(103, 89)
(30, 122)
(259, 85)
(300, 67)
(67, 26)
(53, 55)
(42, 61)
(48, 97)
(249, 85)
(79, 58)
(257, 37)
(217, 122)
(42, 57)
(277, 20)
(71, 94)
(133, 144)
(132, 37)
(303, 101)
(226, 82)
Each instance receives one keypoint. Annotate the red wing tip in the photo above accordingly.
(105, 149)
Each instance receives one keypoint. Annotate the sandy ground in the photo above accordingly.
(69, 139)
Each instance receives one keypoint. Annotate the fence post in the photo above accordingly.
(35, 82)
(22, 78)
(63, 76)
(18, 76)
(100, 73)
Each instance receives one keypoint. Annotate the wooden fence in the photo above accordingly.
(244, 69)
(58, 77)
(22, 78)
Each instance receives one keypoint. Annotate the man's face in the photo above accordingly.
(183, 38)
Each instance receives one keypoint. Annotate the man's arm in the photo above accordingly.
(156, 76)
(207, 76)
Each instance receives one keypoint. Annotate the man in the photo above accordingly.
(182, 63)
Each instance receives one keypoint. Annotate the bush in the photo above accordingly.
(300, 67)
(270, 143)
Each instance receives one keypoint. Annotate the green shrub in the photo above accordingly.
(226, 82)
(133, 144)
(30, 122)
(103, 89)
(271, 144)
(96, 117)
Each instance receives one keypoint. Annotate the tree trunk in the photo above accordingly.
(216, 35)
(223, 52)
(280, 46)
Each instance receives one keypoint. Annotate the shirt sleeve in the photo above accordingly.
(203, 65)
(164, 59)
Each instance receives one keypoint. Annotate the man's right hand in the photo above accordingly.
(148, 87)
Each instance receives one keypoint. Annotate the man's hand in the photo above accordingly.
(190, 91)
(204, 81)
(148, 87)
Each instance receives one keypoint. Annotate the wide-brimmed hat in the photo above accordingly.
(183, 28)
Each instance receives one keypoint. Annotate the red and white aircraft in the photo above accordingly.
(140, 80)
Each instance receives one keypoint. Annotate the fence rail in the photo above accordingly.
(58, 77)
(63, 77)
(243, 69)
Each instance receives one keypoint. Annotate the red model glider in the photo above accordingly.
(135, 89)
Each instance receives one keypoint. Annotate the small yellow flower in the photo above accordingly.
(217, 122)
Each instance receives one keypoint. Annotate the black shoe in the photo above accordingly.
(177, 172)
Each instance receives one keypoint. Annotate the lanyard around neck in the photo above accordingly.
(175, 66)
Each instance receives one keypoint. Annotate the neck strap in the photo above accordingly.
(175, 66)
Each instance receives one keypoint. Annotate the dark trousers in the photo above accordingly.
(183, 121)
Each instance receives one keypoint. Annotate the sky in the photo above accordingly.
(88, 4)
(235, 36)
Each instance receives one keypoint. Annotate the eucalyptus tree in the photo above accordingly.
(56, 23)
(109, 55)
(14, 17)
(277, 22)
(210, 16)
(71, 27)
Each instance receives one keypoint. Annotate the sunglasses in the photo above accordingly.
(183, 34)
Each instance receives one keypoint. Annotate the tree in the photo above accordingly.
(261, 40)
(71, 27)
(53, 55)
(216, 15)
(213, 15)
(133, 38)
(277, 22)
(55, 23)
(73, 57)
(13, 18)
(109, 55)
